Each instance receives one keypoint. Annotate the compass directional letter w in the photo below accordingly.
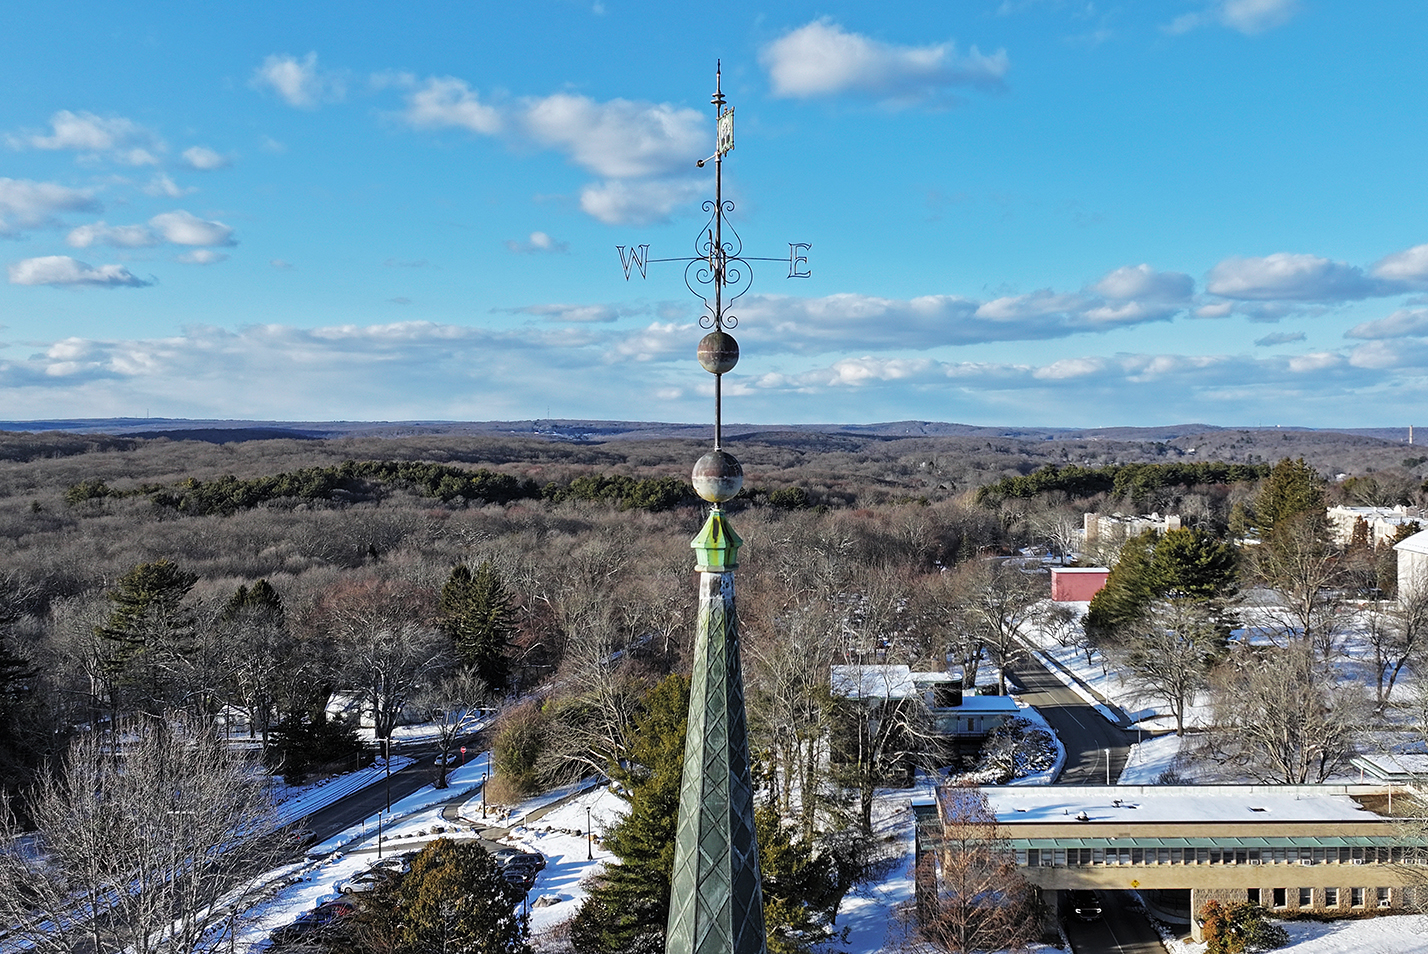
(638, 257)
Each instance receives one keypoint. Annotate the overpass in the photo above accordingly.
(1330, 850)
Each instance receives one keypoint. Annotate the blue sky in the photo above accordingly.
(1020, 211)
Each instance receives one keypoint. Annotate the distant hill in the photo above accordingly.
(231, 431)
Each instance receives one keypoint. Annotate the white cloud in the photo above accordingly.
(281, 265)
(119, 139)
(204, 159)
(25, 203)
(1404, 323)
(580, 314)
(118, 236)
(1410, 265)
(201, 256)
(1285, 276)
(1144, 282)
(184, 228)
(446, 102)
(162, 185)
(619, 138)
(638, 148)
(538, 242)
(1279, 338)
(1256, 16)
(299, 82)
(63, 270)
(638, 201)
(823, 59)
(1246, 16)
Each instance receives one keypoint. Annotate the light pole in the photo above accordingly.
(388, 761)
(379, 836)
(483, 794)
(589, 837)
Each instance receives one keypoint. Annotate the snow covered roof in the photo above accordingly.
(1143, 804)
(1396, 767)
(1418, 543)
(987, 704)
(872, 682)
(1065, 570)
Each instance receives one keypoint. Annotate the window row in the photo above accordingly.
(1060, 857)
(1328, 897)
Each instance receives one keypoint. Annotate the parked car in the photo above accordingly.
(369, 880)
(516, 856)
(312, 922)
(1086, 905)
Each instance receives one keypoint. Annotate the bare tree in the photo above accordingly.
(1171, 652)
(1395, 637)
(153, 847)
(997, 605)
(456, 705)
(1301, 567)
(1282, 717)
(877, 737)
(971, 895)
(790, 705)
(388, 642)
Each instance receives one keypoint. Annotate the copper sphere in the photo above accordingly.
(718, 352)
(718, 476)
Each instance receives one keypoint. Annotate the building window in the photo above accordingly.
(1331, 897)
(1383, 897)
(1252, 895)
(1356, 897)
(1279, 901)
(1202, 856)
(1306, 897)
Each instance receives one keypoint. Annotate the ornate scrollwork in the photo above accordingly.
(723, 266)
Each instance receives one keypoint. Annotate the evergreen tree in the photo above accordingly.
(1191, 562)
(1183, 563)
(1128, 590)
(476, 613)
(1293, 491)
(626, 913)
(801, 888)
(151, 633)
(452, 901)
(631, 904)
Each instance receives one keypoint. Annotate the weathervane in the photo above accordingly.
(718, 265)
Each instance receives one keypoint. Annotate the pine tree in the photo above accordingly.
(455, 901)
(476, 613)
(627, 911)
(1293, 491)
(151, 631)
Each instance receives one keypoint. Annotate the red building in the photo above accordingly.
(1077, 584)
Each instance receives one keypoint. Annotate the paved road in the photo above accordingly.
(1084, 732)
(351, 810)
(1121, 930)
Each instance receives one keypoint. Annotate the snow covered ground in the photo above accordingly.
(874, 912)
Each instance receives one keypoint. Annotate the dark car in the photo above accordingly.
(1086, 905)
(312, 922)
(505, 858)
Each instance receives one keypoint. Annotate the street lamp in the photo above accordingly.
(388, 760)
(589, 837)
(483, 794)
(379, 836)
